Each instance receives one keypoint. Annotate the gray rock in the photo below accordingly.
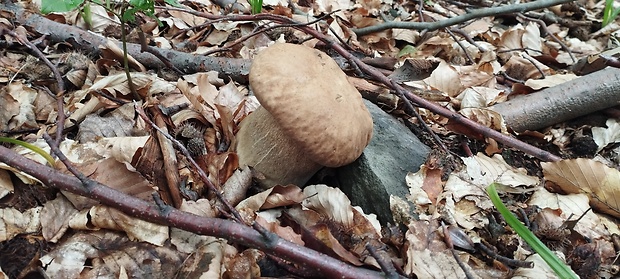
(380, 171)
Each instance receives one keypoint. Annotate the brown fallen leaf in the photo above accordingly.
(105, 254)
(14, 222)
(136, 229)
(587, 176)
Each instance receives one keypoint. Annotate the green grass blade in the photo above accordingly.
(34, 148)
(561, 269)
(609, 13)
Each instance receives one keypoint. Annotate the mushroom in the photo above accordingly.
(310, 116)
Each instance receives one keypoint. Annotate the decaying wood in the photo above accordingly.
(587, 94)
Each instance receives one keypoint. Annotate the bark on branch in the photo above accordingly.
(170, 216)
(473, 14)
(91, 43)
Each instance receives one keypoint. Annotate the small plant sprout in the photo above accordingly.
(610, 13)
(32, 147)
(559, 267)
(257, 6)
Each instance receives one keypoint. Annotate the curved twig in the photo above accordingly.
(478, 13)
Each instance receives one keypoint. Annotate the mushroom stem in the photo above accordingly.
(261, 143)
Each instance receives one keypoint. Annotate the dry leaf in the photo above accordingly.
(245, 265)
(605, 136)
(274, 197)
(235, 188)
(136, 229)
(549, 81)
(17, 107)
(268, 220)
(55, 217)
(486, 117)
(446, 79)
(480, 97)
(591, 225)
(415, 181)
(541, 269)
(118, 123)
(329, 202)
(100, 19)
(208, 261)
(427, 254)
(105, 254)
(6, 185)
(13, 222)
(587, 176)
(111, 50)
(484, 170)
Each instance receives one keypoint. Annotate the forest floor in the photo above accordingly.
(518, 96)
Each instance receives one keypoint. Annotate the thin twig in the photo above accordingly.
(511, 79)
(386, 265)
(60, 118)
(543, 25)
(458, 260)
(420, 10)
(467, 38)
(256, 30)
(542, 73)
(203, 176)
(88, 184)
(146, 48)
(449, 31)
(478, 13)
(400, 92)
(505, 260)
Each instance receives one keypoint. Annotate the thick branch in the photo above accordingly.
(226, 229)
(587, 94)
(92, 43)
(472, 14)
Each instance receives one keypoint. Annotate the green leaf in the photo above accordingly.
(173, 3)
(145, 6)
(561, 269)
(129, 15)
(257, 6)
(34, 148)
(406, 51)
(49, 6)
(87, 16)
(609, 13)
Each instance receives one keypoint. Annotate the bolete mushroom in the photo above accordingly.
(310, 117)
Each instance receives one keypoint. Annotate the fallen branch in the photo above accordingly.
(587, 94)
(472, 14)
(169, 216)
(92, 43)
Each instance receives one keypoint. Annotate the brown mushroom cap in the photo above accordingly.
(310, 98)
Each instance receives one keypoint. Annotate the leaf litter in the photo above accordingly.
(113, 147)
